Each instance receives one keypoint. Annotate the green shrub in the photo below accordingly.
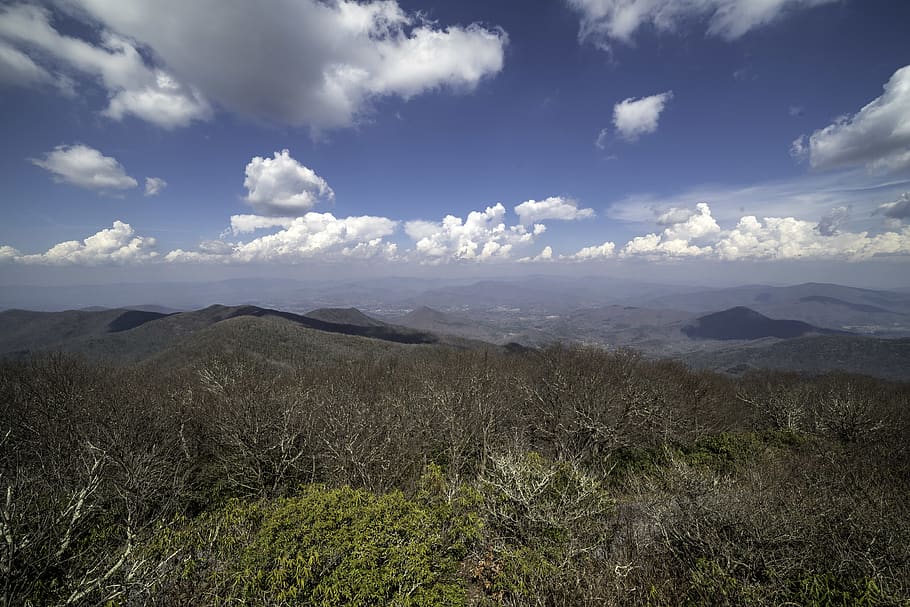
(727, 452)
(710, 584)
(323, 547)
(829, 590)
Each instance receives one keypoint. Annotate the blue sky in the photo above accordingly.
(569, 135)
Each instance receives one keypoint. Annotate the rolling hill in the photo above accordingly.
(812, 354)
(344, 316)
(743, 323)
(134, 335)
(424, 318)
(829, 306)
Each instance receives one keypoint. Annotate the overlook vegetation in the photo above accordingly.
(363, 472)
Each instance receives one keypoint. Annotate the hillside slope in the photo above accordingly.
(743, 323)
(135, 335)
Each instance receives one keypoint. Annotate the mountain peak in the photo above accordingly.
(745, 323)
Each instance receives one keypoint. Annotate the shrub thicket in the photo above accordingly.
(563, 476)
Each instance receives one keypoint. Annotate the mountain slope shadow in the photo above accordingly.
(380, 331)
(132, 319)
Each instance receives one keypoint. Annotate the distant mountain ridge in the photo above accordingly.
(870, 309)
(136, 332)
(747, 324)
(658, 321)
(344, 316)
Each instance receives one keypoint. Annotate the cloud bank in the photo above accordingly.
(482, 236)
(295, 62)
(489, 236)
(133, 88)
(118, 244)
(312, 236)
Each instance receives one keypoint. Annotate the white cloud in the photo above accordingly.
(877, 136)
(85, 167)
(601, 141)
(554, 207)
(603, 251)
(636, 117)
(545, 255)
(317, 234)
(482, 236)
(681, 239)
(8, 253)
(603, 21)
(164, 102)
(283, 186)
(303, 62)
(115, 245)
(698, 225)
(243, 224)
(775, 238)
(133, 87)
(154, 185)
(312, 236)
(791, 238)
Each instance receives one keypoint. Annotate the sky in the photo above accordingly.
(171, 140)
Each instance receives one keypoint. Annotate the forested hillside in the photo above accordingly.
(432, 476)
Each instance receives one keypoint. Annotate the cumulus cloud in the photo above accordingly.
(898, 209)
(133, 87)
(313, 235)
(545, 255)
(282, 186)
(602, 251)
(301, 62)
(244, 224)
(603, 21)
(877, 136)
(154, 185)
(636, 117)
(85, 167)
(775, 238)
(482, 236)
(8, 253)
(118, 244)
(554, 207)
(791, 238)
(680, 239)
(316, 234)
